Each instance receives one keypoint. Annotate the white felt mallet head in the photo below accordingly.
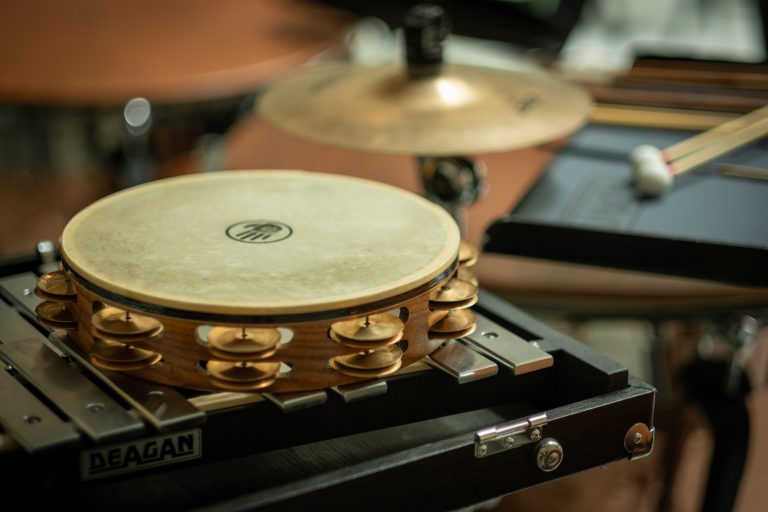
(652, 173)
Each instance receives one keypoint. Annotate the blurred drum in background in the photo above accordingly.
(96, 96)
(91, 85)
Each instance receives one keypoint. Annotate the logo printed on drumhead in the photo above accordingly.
(259, 231)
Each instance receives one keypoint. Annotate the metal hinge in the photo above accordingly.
(509, 435)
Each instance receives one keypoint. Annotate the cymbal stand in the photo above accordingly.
(453, 182)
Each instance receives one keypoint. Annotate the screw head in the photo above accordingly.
(637, 438)
(535, 434)
(509, 441)
(549, 455)
(95, 407)
(482, 450)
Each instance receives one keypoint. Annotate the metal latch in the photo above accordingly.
(509, 435)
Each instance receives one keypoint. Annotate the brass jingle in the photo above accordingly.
(120, 353)
(468, 275)
(378, 327)
(133, 338)
(454, 321)
(468, 254)
(56, 286)
(450, 306)
(374, 360)
(452, 335)
(124, 367)
(436, 316)
(119, 323)
(366, 374)
(231, 356)
(238, 341)
(241, 372)
(241, 386)
(56, 315)
(455, 290)
(366, 345)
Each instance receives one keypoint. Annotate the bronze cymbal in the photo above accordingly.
(243, 341)
(366, 345)
(370, 328)
(56, 315)
(468, 275)
(242, 386)
(373, 360)
(56, 286)
(241, 372)
(468, 254)
(124, 367)
(454, 321)
(454, 290)
(120, 353)
(367, 374)
(121, 325)
(464, 110)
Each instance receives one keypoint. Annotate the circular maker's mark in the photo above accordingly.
(259, 231)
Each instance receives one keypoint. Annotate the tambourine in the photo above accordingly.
(275, 281)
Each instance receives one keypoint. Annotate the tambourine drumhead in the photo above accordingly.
(260, 242)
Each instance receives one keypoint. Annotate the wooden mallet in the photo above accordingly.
(655, 168)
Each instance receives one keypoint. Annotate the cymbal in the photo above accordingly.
(467, 274)
(56, 286)
(464, 110)
(236, 340)
(121, 325)
(454, 290)
(368, 373)
(454, 321)
(242, 372)
(56, 315)
(377, 327)
(468, 254)
(366, 345)
(122, 354)
(373, 360)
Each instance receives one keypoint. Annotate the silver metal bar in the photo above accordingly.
(13, 327)
(19, 289)
(224, 400)
(28, 421)
(361, 390)
(462, 363)
(290, 402)
(507, 348)
(90, 408)
(162, 406)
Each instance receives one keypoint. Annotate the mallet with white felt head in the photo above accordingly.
(655, 168)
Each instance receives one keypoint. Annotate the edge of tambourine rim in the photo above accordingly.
(444, 260)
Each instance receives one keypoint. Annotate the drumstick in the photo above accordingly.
(655, 169)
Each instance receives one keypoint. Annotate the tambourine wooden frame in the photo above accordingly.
(307, 354)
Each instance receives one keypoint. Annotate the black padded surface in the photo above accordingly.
(585, 209)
